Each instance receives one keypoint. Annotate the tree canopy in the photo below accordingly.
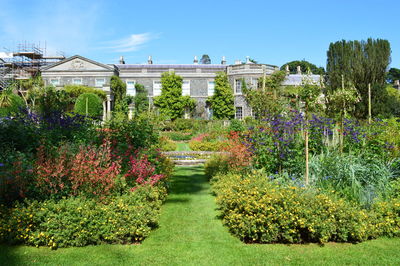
(360, 63)
(266, 98)
(222, 102)
(205, 59)
(171, 102)
(392, 75)
(118, 88)
(305, 66)
(141, 100)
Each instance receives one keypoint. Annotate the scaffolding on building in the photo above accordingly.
(24, 62)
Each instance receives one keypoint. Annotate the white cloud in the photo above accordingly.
(132, 43)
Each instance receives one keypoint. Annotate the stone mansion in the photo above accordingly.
(198, 79)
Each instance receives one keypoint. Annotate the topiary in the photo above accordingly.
(15, 103)
(88, 104)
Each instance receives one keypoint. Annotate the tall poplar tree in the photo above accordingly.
(360, 63)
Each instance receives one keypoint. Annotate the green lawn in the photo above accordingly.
(182, 146)
(191, 234)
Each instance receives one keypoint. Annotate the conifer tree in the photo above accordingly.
(222, 102)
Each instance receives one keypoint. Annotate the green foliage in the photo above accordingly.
(264, 101)
(237, 126)
(80, 222)
(74, 91)
(167, 144)
(360, 63)
(258, 210)
(196, 145)
(118, 88)
(217, 164)
(51, 100)
(392, 75)
(352, 177)
(222, 102)
(138, 132)
(308, 94)
(141, 100)
(178, 136)
(171, 102)
(343, 100)
(205, 59)
(89, 104)
(305, 67)
(10, 103)
(385, 218)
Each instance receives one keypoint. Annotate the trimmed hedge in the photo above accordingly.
(77, 221)
(94, 104)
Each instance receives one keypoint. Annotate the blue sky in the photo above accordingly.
(272, 32)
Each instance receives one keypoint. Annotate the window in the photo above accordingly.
(238, 86)
(239, 113)
(99, 82)
(210, 88)
(156, 88)
(77, 81)
(186, 88)
(254, 83)
(130, 88)
(55, 82)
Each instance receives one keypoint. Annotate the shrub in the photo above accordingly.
(207, 145)
(178, 136)
(217, 164)
(75, 91)
(80, 222)
(16, 175)
(89, 104)
(385, 218)
(90, 171)
(353, 177)
(237, 126)
(138, 133)
(142, 172)
(166, 144)
(16, 102)
(257, 210)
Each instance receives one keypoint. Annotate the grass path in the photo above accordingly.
(191, 234)
(182, 146)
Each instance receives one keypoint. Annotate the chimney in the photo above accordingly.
(247, 59)
(150, 60)
(287, 69)
(121, 60)
(195, 60)
(298, 70)
(223, 61)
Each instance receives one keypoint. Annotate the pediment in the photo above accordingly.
(77, 63)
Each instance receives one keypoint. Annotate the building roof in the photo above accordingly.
(297, 79)
(128, 66)
(111, 68)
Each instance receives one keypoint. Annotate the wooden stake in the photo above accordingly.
(87, 111)
(369, 104)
